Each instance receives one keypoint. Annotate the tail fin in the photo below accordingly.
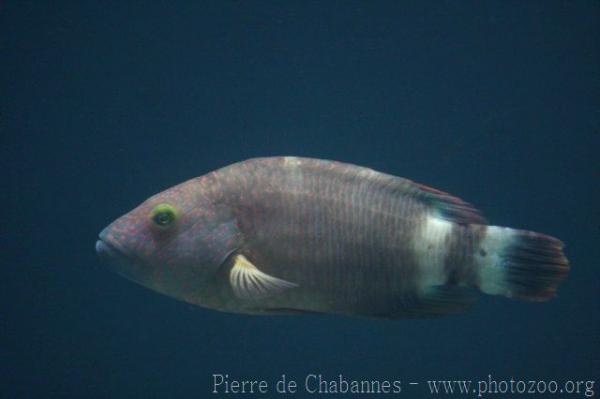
(520, 264)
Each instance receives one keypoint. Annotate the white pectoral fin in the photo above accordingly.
(248, 282)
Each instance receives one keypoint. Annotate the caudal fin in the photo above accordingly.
(520, 264)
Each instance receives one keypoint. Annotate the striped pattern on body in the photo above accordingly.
(353, 239)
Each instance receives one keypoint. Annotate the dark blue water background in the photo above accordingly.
(105, 103)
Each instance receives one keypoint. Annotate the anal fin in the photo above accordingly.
(441, 300)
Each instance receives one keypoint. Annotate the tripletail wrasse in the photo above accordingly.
(290, 235)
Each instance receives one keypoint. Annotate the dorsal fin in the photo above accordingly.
(447, 206)
(450, 207)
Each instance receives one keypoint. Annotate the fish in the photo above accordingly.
(288, 235)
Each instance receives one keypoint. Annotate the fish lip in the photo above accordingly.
(106, 249)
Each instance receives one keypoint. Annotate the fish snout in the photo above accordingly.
(107, 249)
(104, 250)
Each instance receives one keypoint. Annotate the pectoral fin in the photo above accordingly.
(248, 282)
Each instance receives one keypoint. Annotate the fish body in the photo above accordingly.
(287, 235)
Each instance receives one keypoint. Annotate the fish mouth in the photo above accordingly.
(116, 260)
(119, 261)
(110, 251)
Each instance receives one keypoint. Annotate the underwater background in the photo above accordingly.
(103, 104)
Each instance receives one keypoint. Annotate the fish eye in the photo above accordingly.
(163, 215)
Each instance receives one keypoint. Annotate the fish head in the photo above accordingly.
(173, 243)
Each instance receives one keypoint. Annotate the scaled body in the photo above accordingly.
(287, 235)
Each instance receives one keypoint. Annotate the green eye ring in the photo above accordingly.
(163, 215)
